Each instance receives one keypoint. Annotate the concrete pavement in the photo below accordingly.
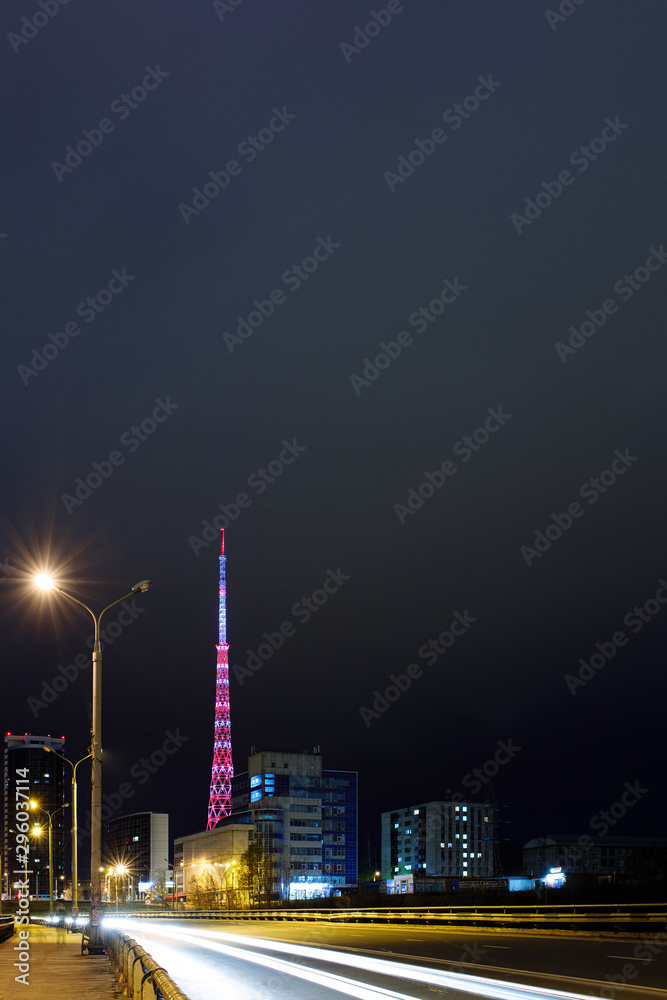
(56, 972)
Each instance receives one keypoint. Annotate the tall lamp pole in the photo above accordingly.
(50, 813)
(46, 583)
(75, 829)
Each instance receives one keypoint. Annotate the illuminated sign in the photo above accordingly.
(255, 780)
(255, 796)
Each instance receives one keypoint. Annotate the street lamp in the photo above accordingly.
(174, 881)
(75, 846)
(50, 813)
(44, 581)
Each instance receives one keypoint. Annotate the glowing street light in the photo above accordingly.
(37, 830)
(75, 829)
(45, 582)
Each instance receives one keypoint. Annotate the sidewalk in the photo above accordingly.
(55, 973)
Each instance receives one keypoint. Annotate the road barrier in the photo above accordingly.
(134, 967)
(628, 919)
(6, 926)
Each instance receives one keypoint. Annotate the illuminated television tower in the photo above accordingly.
(220, 801)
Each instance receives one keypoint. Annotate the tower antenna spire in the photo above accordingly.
(220, 801)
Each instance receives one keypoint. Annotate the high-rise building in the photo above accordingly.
(32, 773)
(220, 799)
(439, 838)
(305, 818)
(139, 843)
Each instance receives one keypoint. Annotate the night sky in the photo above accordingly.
(409, 260)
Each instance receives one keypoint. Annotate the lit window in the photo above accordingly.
(465, 854)
(442, 843)
(479, 854)
(400, 859)
(457, 836)
(416, 812)
(450, 844)
(465, 836)
(465, 809)
(408, 832)
(395, 826)
(465, 864)
(135, 838)
(408, 868)
(456, 808)
(396, 869)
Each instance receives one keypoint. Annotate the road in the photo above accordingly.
(319, 961)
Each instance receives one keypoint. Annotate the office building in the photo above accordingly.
(305, 818)
(140, 843)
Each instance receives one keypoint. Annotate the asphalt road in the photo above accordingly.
(209, 958)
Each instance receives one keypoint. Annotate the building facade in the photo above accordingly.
(631, 857)
(305, 819)
(139, 843)
(33, 773)
(212, 858)
(447, 838)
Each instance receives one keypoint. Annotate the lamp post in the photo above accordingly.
(50, 813)
(75, 830)
(175, 883)
(46, 583)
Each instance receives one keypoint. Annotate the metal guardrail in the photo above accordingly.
(594, 918)
(134, 967)
(6, 926)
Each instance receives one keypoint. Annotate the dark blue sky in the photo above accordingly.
(497, 167)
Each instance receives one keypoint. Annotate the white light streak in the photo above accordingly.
(497, 989)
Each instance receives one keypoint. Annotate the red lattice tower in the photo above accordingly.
(220, 801)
